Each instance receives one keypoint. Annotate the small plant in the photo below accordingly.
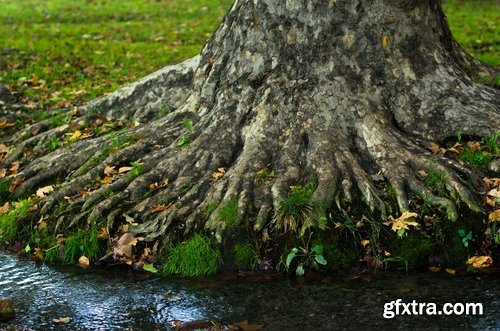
(245, 256)
(52, 143)
(195, 257)
(4, 189)
(188, 186)
(297, 211)
(264, 174)
(137, 169)
(163, 111)
(492, 143)
(466, 238)
(436, 180)
(188, 124)
(8, 227)
(308, 258)
(228, 213)
(183, 142)
(210, 208)
(83, 242)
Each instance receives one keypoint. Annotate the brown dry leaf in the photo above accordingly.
(156, 186)
(436, 150)
(3, 171)
(402, 222)
(83, 261)
(42, 224)
(494, 216)
(219, 173)
(4, 125)
(474, 146)
(5, 208)
(365, 242)
(265, 235)
(124, 169)
(62, 320)
(38, 254)
(457, 148)
(106, 180)
(4, 149)
(15, 184)
(245, 326)
(125, 245)
(480, 261)
(494, 193)
(44, 191)
(110, 171)
(14, 167)
(158, 208)
(490, 201)
(385, 41)
(434, 269)
(450, 271)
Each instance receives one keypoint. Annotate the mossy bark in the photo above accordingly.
(333, 92)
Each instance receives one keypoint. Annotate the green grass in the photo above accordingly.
(228, 213)
(83, 242)
(57, 50)
(8, 227)
(195, 257)
(245, 256)
(475, 25)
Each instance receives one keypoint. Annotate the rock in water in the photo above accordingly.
(7, 311)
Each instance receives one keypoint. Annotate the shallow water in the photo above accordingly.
(117, 298)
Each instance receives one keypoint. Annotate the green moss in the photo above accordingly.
(436, 180)
(195, 257)
(415, 249)
(339, 259)
(83, 242)
(228, 213)
(9, 229)
(244, 256)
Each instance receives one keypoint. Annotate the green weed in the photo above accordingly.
(9, 229)
(52, 143)
(195, 257)
(436, 180)
(4, 189)
(228, 213)
(83, 242)
(137, 170)
(245, 256)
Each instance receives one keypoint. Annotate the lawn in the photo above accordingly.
(61, 53)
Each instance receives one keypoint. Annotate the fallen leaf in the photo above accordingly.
(4, 125)
(450, 271)
(75, 136)
(436, 150)
(386, 253)
(265, 235)
(106, 180)
(124, 169)
(42, 224)
(480, 261)
(110, 171)
(156, 186)
(219, 173)
(4, 149)
(490, 201)
(3, 171)
(5, 208)
(494, 193)
(474, 146)
(158, 208)
(403, 222)
(44, 191)
(83, 261)
(494, 216)
(385, 41)
(457, 148)
(103, 233)
(14, 167)
(15, 184)
(365, 242)
(38, 254)
(62, 320)
(434, 269)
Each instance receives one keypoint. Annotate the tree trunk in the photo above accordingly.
(339, 93)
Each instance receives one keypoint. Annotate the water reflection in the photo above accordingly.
(117, 299)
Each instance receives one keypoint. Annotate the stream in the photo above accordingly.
(116, 298)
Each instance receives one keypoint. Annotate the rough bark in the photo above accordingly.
(330, 91)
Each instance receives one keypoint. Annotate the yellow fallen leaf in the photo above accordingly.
(103, 234)
(75, 136)
(4, 125)
(480, 261)
(436, 150)
(474, 146)
(494, 216)
(219, 173)
(386, 253)
(403, 222)
(158, 208)
(385, 41)
(450, 271)
(494, 193)
(38, 254)
(44, 191)
(14, 167)
(124, 169)
(110, 171)
(365, 242)
(490, 201)
(83, 261)
(434, 269)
